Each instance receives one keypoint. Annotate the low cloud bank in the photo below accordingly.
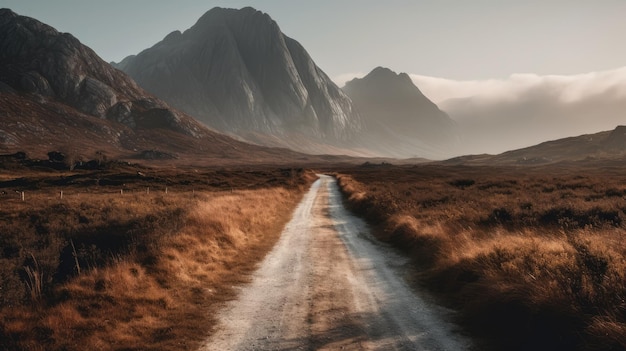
(527, 109)
(498, 115)
(518, 86)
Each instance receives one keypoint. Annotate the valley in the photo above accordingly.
(176, 255)
(218, 190)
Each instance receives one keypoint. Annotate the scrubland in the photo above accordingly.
(532, 258)
(137, 269)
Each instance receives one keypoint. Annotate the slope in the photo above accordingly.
(600, 147)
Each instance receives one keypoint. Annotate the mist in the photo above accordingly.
(526, 109)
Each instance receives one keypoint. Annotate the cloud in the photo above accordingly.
(568, 88)
(527, 109)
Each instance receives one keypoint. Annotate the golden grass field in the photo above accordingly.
(102, 269)
(532, 258)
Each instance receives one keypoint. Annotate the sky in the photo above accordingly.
(458, 40)
(502, 56)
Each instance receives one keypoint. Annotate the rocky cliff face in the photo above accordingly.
(398, 119)
(37, 59)
(235, 71)
(56, 93)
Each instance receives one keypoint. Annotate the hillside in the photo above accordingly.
(599, 147)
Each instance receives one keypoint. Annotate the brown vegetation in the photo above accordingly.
(533, 258)
(115, 266)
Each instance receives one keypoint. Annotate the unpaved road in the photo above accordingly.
(328, 285)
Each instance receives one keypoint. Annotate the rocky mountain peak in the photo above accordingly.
(383, 74)
(399, 117)
(247, 19)
(235, 71)
(384, 80)
(36, 59)
(6, 14)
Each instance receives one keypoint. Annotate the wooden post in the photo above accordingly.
(148, 190)
(121, 191)
(22, 195)
(166, 190)
(75, 256)
(61, 195)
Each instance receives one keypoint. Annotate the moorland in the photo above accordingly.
(533, 258)
(123, 256)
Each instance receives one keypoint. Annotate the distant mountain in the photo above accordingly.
(57, 93)
(603, 146)
(398, 119)
(235, 71)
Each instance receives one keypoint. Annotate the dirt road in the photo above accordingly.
(328, 285)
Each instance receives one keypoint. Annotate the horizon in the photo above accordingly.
(490, 84)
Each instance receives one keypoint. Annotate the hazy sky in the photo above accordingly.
(459, 40)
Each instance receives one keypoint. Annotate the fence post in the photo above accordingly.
(61, 195)
(22, 195)
(166, 190)
(121, 191)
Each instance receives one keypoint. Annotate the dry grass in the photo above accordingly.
(104, 271)
(534, 259)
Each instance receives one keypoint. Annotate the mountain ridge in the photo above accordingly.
(597, 147)
(233, 64)
(56, 93)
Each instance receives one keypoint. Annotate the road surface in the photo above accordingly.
(329, 285)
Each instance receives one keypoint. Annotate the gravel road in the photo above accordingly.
(329, 285)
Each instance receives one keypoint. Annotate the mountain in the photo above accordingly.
(398, 119)
(235, 71)
(598, 147)
(56, 93)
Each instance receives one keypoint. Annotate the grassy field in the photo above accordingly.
(121, 263)
(533, 258)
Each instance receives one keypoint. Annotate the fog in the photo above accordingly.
(570, 88)
(498, 115)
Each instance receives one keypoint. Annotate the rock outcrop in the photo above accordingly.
(398, 119)
(235, 71)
